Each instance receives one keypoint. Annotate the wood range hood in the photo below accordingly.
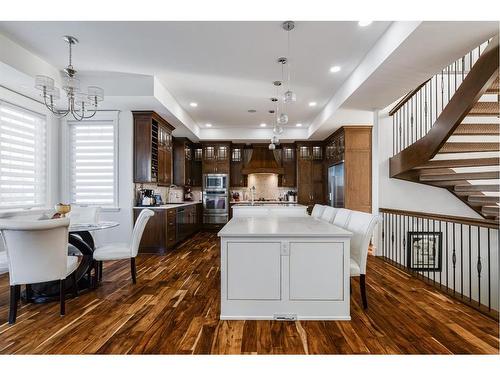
(262, 160)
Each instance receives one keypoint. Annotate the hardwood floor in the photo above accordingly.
(174, 308)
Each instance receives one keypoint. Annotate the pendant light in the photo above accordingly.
(289, 96)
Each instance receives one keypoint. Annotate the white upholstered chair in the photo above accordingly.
(342, 217)
(118, 251)
(361, 225)
(317, 211)
(328, 214)
(37, 251)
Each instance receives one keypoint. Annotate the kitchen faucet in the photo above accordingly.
(252, 194)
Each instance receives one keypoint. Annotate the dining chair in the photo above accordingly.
(342, 217)
(317, 211)
(361, 225)
(328, 214)
(37, 252)
(117, 251)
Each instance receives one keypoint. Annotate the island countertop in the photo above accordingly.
(278, 226)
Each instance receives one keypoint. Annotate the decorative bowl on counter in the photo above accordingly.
(62, 209)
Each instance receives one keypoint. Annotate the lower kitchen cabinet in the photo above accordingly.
(169, 227)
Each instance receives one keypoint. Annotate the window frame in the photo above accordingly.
(108, 116)
(48, 169)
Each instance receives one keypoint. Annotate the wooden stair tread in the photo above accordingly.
(477, 129)
(469, 188)
(494, 88)
(483, 199)
(458, 147)
(457, 163)
(491, 210)
(460, 176)
(485, 109)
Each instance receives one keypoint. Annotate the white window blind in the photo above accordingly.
(23, 167)
(92, 149)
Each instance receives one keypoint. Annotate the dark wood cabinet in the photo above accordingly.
(310, 173)
(238, 179)
(169, 227)
(183, 160)
(289, 164)
(196, 165)
(216, 158)
(353, 146)
(152, 148)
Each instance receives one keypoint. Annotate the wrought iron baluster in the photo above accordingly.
(470, 265)
(461, 261)
(393, 137)
(434, 253)
(447, 263)
(489, 271)
(454, 258)
(479, 266)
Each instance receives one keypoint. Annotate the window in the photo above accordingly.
(23, 168)
(93, 162)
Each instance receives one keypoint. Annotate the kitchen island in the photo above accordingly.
(284, 268)
(265, 209)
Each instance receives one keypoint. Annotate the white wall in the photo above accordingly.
(123, 214)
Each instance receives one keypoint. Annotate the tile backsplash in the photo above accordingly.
(266, 187)
(170, 194)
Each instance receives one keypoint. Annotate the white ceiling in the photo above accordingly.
(225, 67)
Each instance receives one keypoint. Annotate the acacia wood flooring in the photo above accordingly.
(174, 308)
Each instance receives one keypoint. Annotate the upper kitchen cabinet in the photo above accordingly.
(353, 146)
(152, 148)
(310, 173)
(216, 157)
(183, 160)
(238, 179)
(289, 164)
(196, 165)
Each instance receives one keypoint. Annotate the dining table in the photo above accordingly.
(82, 245)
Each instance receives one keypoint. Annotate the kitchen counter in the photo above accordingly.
(284, 268)
(259, 209)
(276, 226)
(263, 202)
(167, 206)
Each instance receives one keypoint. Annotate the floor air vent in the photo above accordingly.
(285, 316)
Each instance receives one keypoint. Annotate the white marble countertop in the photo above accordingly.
(167, 205)
(275, 226)
(265, 202)
(246, 205)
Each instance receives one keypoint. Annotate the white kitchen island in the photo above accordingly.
(265, 209)
(284, 268)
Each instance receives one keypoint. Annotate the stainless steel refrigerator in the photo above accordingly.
(336, 185)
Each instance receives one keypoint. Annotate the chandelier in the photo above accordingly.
(81, 105)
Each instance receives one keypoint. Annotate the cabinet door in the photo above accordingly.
(209, 160)
(316, 271)
(153, 238)
(254, 270)
(304, 181)
(162, 166)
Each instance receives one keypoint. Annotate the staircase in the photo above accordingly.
(447, 131)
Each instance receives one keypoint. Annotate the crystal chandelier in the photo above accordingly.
(81, 105)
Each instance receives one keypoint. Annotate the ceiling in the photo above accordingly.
(227, 68)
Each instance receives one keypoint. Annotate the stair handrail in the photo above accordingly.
(474, 85)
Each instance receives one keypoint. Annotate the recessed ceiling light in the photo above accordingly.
(193, 104)
(208, 125)
(312, 104)
(335, 69)
(298, 125)
(252, 111)
(364, 23)
(263, 125)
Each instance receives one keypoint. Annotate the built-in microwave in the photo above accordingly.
(215, 182)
